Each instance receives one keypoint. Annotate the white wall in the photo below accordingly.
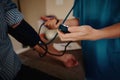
(32, 10)
(59, 9)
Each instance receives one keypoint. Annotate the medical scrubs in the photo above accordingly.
(101, 57)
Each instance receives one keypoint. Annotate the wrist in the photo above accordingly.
(38, 48)
(100, 34)
(58, 22)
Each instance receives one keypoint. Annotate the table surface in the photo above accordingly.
(53, 67)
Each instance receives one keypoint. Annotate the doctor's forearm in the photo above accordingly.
(112, 31)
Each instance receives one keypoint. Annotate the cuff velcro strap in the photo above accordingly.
(25, 34)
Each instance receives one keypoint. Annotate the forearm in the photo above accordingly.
(52, 49)
(112, 31)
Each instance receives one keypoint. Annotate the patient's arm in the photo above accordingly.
(67, 59)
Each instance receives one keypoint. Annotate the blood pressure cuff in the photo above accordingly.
(25, 34)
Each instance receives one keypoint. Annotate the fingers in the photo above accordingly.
(64, 37)
(50, 23)
(73, 29)
(73, 36)
(77, 33)
(77, 29)
(44, 18)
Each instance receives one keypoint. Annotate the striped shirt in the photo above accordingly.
(9, 61)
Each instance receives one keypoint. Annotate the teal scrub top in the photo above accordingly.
(101, 57)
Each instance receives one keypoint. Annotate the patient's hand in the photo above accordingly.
(67, 59)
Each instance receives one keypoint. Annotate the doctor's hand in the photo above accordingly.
(84, 32)
(51, 22)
